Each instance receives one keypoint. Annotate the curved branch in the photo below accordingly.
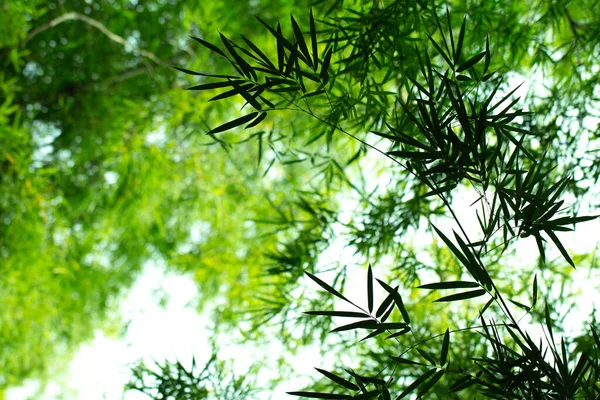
(75, 16)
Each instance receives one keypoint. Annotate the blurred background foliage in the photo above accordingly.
(105, 163)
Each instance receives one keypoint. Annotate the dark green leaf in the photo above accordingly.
(313, 39)
(445, 344)
(425, 354)
(316, 395)
(324, 74)
(450, 285)
(399, 333)
(232, 124)
(416, 383)
(257, 121)
(215, 85)
(300, 40)
(459, 43)
(561, 248)
(339, 380)
(365, 324)
(535, 291)
(370, 288)
(470, 62)
(347, 314)
(462, 296)
(427, 387)
(209, 46)
(397, 299)
(326, 286)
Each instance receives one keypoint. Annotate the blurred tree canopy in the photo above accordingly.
(368, 121)
(430, 90)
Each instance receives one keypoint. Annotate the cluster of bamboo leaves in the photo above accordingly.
(462, 133)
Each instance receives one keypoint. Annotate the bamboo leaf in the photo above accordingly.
(215, 85)
(370, 288)
(462, 296)
(209, 46)
(339, 380)
(346, 314)
(450, 285)
(430, 383)
(470, 62)
(365, 324)
(300, 40)
(316, 395)
(232, 124)
(459, 43)
(397, 299)
(313, 39)
(326, 287)
(445, 346)
(416, 383)
(257, 121)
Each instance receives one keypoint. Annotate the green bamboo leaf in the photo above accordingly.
(365, 324)
(373, 334)
(399, 333)
(215, 85)
(324, 74)
(441, 52)
(259, 52)
(459, 43)
(241, 63)
(414, 155)
(187, 71)
(487, 56)
(316, 395)
(561, 248)
(313, 39)
(370, 288)
(257, 121)
(520, 305)
(280, 40)
(450, 285)
(486, 306)
(300, 41)
(401, 360)
(549, 323)
(232, 92)
(232, 124)
(425, 354)
(462, 383)
(209, 46)
(462, 296)
(416, 383)
(385, 304)
(326, 286)
(452, 247)
(346, 314)
(386, 394)
(430, 383)
(445, 346)
(339, 380)
(535, 291)
(291, 61)
(392, 325)
(470, 62)
(397, 299)
(596, 338)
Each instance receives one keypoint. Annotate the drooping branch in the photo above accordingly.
(75, 16)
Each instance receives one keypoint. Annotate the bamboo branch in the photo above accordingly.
(75, 16)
